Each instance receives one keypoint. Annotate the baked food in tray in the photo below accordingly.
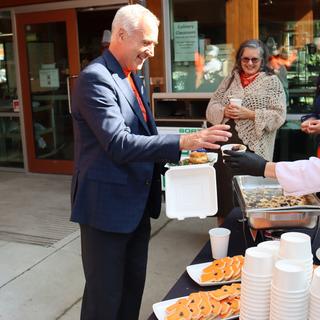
(264, 205)
(257, 193)
(272, 198)
(198, 157)
(222, 303)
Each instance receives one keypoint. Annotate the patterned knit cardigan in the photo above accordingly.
(265, 95)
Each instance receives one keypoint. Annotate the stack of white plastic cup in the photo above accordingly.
(289, 291)
(314, 311)
(256, 278)
(296, 246)
(272, 246)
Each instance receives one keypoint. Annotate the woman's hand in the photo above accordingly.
(305, 125)
(314, 127)
(238, 113)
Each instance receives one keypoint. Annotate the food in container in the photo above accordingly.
(264, 205)
(233, 147)
(198, 157)
(223, 303)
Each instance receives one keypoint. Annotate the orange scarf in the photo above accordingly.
(246, 80)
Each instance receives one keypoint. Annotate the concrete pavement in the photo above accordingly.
(46, 283)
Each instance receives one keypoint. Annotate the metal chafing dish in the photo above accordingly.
(265, 213)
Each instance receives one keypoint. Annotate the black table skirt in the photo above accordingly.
(240, 239)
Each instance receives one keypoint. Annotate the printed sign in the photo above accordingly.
(185, 40)
(49, 78)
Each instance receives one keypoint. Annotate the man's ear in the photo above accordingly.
(122, 34)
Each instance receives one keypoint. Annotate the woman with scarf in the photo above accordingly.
(255, 122)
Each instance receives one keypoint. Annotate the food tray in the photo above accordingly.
(159, 309)
(265, 207)
(195, 271)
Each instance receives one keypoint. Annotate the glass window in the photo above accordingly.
(293, 38)
(8, 86)
(199, 53)
(10, 142)
(10, 134)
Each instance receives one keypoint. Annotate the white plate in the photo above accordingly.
(212, 157)
(195, 271)
(159, 309)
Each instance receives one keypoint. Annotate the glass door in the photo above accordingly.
(49, 57)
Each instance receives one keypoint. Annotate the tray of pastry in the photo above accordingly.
(265, 206)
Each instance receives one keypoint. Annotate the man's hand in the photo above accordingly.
(205, 138)
(245, 163)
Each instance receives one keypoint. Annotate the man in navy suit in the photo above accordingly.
(119, 157)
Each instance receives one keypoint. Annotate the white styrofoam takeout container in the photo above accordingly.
(191, 191)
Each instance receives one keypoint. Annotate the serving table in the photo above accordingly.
(240, 239)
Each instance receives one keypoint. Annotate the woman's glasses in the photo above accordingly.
(253, 60)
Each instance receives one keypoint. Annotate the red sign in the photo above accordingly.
(16, 105)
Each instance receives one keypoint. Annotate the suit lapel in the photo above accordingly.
(123, 84)
(145, 100)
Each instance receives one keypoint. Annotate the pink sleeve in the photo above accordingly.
(299, 177)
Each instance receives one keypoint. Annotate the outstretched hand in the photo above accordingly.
(245, 163)
(205, 138)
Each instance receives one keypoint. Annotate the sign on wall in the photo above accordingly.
(185, 40)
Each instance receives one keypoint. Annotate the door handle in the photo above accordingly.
(72, 77)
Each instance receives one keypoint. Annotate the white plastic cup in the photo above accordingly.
(307, 264)
(249, 310)
(315, 283)
(314, 306)
(236, 102)
(293, 309)
(261, 297)
(295, 245)
(219, 239)
(289, 309)
(315, 300)
(258, 261)
(253, 279)
(285, 296)
(288, 314)
(318, 253)
(273, 246)
(246, 313)
(289, 276)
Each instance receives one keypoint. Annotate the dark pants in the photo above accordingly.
(115, 269)
(226, 200)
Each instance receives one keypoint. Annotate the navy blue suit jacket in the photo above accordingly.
(118, 156)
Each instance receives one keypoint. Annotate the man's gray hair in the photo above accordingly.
(129, 17)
